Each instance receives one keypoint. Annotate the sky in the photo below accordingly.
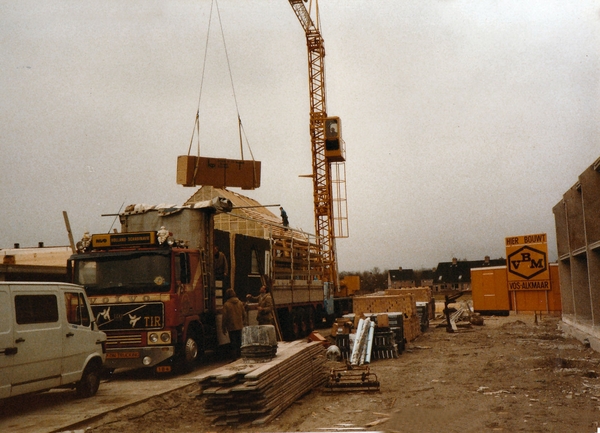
(464, 122)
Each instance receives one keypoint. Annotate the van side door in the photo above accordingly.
(7, 345)
(37, 336)
(80, 341)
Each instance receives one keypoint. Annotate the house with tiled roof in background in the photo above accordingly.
(425, 276)
(456, 275)
(399, 278)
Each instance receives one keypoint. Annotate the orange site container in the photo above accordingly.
(491, 295)
(489, 289)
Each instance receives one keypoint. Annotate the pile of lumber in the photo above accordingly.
(243, 392)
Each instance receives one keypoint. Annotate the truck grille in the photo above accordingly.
(130, 316)
(117, 341)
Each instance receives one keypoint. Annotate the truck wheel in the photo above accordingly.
(90, 381)
(191, 351)
(304, 327)
(296, 325)
(309, 318)
(286, 322)
(188, 355)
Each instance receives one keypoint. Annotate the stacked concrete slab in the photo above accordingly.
(577, 219)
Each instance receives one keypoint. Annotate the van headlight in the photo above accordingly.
(162, 337)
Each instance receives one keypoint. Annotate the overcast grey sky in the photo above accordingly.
(464, 121)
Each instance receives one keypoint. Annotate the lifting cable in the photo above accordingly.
(196, 129)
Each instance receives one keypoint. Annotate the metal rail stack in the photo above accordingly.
(342, 341)
(396, 322)
(352, 378)
(384, 344)
(355, 375)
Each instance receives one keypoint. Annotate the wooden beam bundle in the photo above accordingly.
(240, 392)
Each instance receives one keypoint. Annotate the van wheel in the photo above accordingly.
(90, 381)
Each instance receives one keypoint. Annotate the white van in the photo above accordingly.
(48, 339)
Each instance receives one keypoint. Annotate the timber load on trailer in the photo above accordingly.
(289, 266)
(262, 251)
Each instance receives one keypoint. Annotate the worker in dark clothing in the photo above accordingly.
(234, 317)
(221, 267)
(284, 217)
(265, 306)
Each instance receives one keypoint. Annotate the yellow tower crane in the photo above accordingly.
(328, 156)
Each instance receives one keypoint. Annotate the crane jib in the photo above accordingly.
(302, 14)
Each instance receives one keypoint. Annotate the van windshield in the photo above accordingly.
(123, 273)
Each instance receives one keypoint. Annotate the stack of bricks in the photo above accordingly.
(412, 327)
(382, 303)
(402, 302)
(422, 294)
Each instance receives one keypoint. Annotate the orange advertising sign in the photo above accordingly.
(527, 262)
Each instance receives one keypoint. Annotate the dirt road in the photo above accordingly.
(508, 375)
(53, 410)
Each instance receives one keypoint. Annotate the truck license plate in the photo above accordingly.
(122, 355)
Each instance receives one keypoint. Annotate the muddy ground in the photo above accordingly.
(510, 374)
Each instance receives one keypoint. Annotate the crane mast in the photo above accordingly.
(322, 176)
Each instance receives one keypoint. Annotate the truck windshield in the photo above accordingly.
(123, 273)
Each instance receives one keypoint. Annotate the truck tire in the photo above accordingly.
(296, 324)
(90, 381)
(302, 324)
(285, 321)
(189, 354)
(191, 351)
(309, 318)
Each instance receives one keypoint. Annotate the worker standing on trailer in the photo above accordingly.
(284, 217)
(265, 306)
(221, 267)
(234, 317)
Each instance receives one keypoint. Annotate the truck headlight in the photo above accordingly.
(161, 337)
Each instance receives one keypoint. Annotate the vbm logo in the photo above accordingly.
(527, 262)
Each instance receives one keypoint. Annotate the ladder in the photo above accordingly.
(205, 280)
